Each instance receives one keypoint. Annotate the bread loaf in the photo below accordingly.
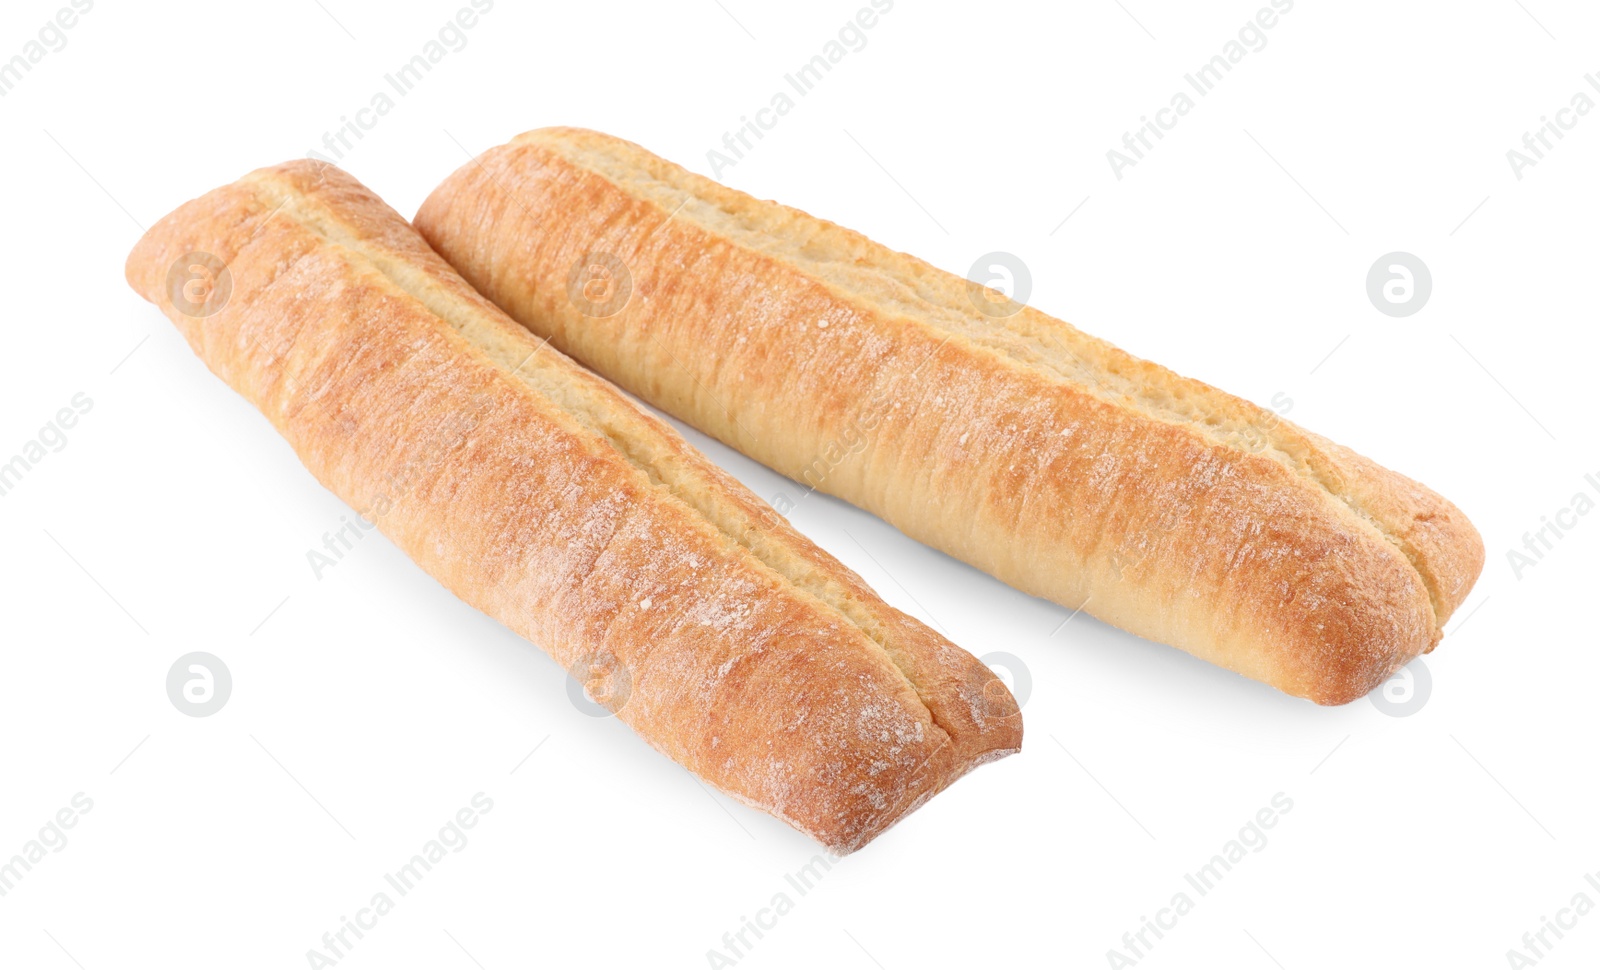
(539, 494)
(1005, 437)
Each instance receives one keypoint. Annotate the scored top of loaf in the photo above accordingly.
(903, 285)
(349, 298)
(1356, 502)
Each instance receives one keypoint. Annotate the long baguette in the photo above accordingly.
(542, 496)
(1011, 440)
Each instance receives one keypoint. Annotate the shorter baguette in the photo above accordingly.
(542, 496)
(989, 430)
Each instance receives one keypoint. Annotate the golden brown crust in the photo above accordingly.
(1043, 455)
(539, 494)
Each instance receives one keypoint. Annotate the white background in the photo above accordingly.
(370, 705)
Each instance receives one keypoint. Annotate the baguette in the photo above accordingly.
(1002, 436)
(541, 495)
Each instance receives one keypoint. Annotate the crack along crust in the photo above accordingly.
(542, 496)
(1017, 443)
